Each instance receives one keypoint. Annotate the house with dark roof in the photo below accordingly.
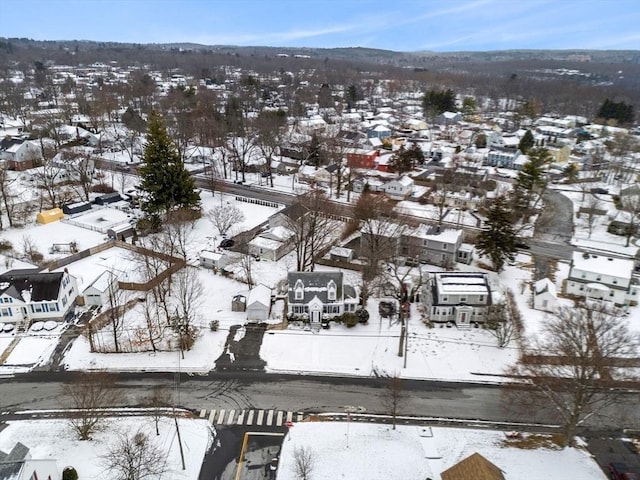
(18, 465)
(460, 297)
(474, 467)
(319, 295)
(29, 295)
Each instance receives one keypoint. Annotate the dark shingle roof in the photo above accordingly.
(315, 284)
(43, 286)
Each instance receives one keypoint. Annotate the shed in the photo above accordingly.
(341, 254)
(215, 260)
(239, 303)
(120, 232)
(108, 198)
(73, 208)
(259, 303)
(49, 216)
(99, 291)
(544, 295)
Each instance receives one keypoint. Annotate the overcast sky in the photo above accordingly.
(401, 25)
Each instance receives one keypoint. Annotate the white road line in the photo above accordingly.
(221, 417)
(240, 419)
(203, 413)
(279, 418)
(260, 417)
(250, 417)
(300, 416)
(289, 416)
(232, 413)
(212, 417)
(269, 418)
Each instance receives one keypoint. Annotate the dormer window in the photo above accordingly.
(299, 290)
(331, 290)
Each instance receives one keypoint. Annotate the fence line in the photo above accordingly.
(256, 201)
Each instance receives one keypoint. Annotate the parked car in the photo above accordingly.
(620, 471)
(386, 309)
(522, 246)
(226, 243)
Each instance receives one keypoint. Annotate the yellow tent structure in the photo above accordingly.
(49, 216)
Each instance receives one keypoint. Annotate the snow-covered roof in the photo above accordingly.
(602, 265)
(260, 294)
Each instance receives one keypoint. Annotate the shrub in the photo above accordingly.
(214, 325)
(150, 224)
(350, 319)
(102, 188)
(69, 473)
(5, 245)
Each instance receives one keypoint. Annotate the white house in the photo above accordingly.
(258, 303)
(18, 465)
(544, 295)
(460, 297)
(28, 295)
(272, 244)
(400, 188)
(599, 277)
(319, 295)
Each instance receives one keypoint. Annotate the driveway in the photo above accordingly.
(243, 354)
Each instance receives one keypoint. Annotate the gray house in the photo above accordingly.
(459, 297)
(319, 295)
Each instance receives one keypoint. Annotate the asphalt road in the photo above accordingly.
(253, 390)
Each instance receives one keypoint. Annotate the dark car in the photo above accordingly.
(386, 309)
(226, 243)
(620, 471)
(522, 245)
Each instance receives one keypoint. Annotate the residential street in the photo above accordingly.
(310, 394)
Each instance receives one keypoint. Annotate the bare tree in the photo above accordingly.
(188, 296)
(178, 231)
(314, 227)
(8, 195)
(90, 394)
(504, 320)
(593, 205)
(115, 312)
(393, 397)
(81, 169)
(631, 207)
(134, 457)
(158, 402)
(303, 462)
(225, 217)
(571, 373)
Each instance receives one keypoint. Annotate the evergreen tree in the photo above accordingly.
(531, 178)
(526, 142)
(436, 102)
(164, 180)
(498, 239)
(325, 100)
(618, 111)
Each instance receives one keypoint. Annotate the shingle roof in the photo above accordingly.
(42, 286)
(315, 284)
(474, 467)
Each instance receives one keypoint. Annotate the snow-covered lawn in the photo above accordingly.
(354, 450)
(54, 439)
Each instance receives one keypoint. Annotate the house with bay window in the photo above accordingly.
(29, 295)
(319, 295)
(460, 297)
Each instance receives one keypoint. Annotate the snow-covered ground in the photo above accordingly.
(377, 452)
(55, 440)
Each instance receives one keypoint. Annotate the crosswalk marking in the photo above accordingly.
(230, 417)
(240, 419)
(221, 416)
(268, 418)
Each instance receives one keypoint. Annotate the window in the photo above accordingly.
(481, 298)
(445, 299)
(36, 307)
(463, 299)
(444, 246)
(331, 290)
(599, 277)
(5, 312)
(53, 307)
(7, 300)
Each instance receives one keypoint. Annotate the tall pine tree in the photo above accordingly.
(164, 180)
(498, 240)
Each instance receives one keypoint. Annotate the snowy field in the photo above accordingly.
(376, 452)
(54, 439)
